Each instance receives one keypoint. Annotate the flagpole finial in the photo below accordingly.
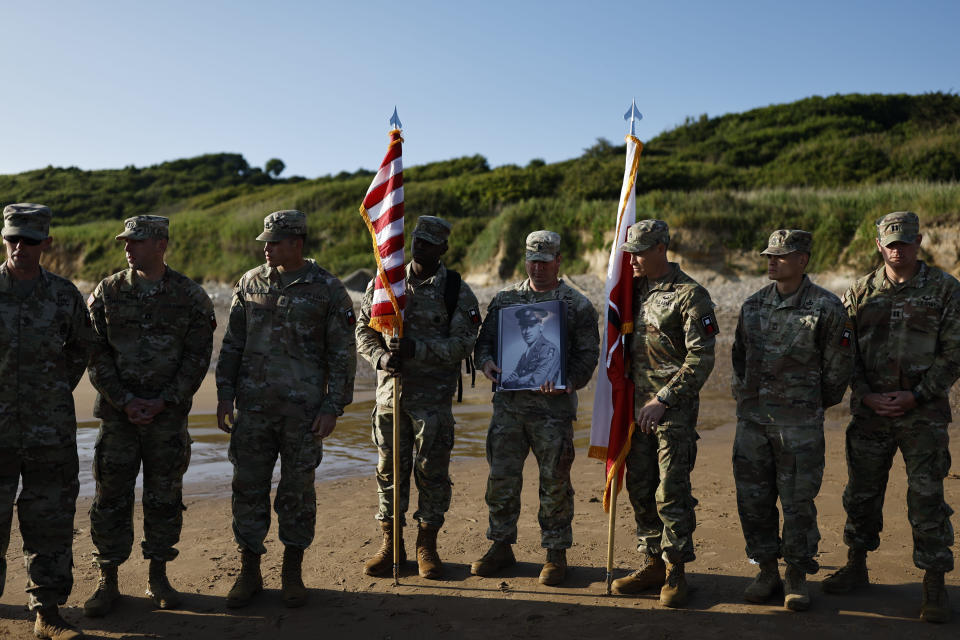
(632, 116)
(395, 119)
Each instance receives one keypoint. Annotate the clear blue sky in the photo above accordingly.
(107, 84)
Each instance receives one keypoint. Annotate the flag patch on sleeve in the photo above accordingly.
(474, 315)
(845, 337)
(351, 319)
(709, 324)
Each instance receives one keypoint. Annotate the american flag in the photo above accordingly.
(382, 210)
(612, 425)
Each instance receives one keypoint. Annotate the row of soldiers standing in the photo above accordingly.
(286, 370)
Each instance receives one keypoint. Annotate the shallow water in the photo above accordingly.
(349, 451)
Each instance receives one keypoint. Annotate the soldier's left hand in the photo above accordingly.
(152, 408)
(901, 402)
(404, 347)
(323, 425)
(650, 415)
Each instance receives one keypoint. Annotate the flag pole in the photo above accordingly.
(396, 471)
(611, 529)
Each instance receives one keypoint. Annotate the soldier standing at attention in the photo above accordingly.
(44, 343)
(153, 333)
(792, 359)
(671, 355)
(288, 361)
(539, 420)
(906, 318)
(440, 327)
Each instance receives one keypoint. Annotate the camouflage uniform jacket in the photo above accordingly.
(673, 339)
(290, 350)
(791, 358)
(541, 361)
(149, 345)
(907, 338)
(441, 342)
(582, 348)
(44, 344)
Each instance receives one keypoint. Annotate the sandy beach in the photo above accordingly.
(346, 603)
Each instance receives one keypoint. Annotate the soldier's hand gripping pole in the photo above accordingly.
(396, 476)
(611, 529)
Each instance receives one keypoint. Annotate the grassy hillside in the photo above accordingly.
(831, 165)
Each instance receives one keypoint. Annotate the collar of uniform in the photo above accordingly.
(525, 286)
(436, 280)
(310, 275)
(666, 280)
(919, 279)
(796, 299)
(6, 280)
(126, 281)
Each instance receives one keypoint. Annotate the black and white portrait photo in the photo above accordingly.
(531, 345)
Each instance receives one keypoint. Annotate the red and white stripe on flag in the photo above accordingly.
(382, 210)
(613, 423)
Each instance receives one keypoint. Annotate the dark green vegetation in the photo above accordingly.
(831, 165)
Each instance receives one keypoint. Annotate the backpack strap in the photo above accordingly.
(451, 295)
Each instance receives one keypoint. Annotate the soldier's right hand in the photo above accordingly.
(225, 411)
(490, 370)
(389, 362)
(136, 411)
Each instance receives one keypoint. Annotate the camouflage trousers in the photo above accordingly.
(257, 439)
(785, 462)
(658, 481)
(164, 448)
(871, 446)
(426, 438)
(510, 438)
(45, 509)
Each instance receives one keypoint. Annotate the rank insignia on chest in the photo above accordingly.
(896, 314)
(845, 337)
(351, 319)
(709, 324)
(474, 316)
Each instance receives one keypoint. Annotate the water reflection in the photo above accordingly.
(349, 451)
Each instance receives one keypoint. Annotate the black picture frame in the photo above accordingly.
(531, 346)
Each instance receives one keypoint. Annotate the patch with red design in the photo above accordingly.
(474, 315)
(351, 319)
(846, 337)
(709, 324)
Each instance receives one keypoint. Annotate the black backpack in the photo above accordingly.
(451, 295)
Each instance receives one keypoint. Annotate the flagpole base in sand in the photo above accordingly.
(611, 528)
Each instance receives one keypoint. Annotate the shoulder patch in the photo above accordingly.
(474, 314)
(709, 324)
(90, 299)
(213, 321)
(350, 317)
(846, 336)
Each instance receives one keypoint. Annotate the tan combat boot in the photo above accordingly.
(935, 606)
(652, 574)
(50, 625)
(106, 595)
(428, 560)
(249, 583)
(381, 564)
(292, 591)
(796, 597)
(766, 585)
(851, 576)
(555, 570)
(675, 592)
(498, 556)
(158, 587)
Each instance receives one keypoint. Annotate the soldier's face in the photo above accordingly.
(650, 262)
(283, 253)
(23, 254)
(426, 253)
(786, 267)
(543, 275)
(900, 254)
(146, 254)
(531, 332)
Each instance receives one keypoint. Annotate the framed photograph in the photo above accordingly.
(531, 346)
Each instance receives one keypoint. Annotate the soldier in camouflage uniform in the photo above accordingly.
(541, 420)
(288, 361)
(153, 333)
(427, 361)
(906, 318)
(44, 343)
(671, 355)
(541, 361)
(792, 359)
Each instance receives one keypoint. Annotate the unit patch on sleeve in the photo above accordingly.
(709, 324)
(351, 319)
(474, 315)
